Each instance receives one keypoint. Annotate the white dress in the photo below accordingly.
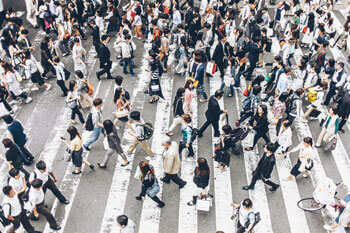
(78, 59)
(12, 83)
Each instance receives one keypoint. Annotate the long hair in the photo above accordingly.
(188, 83)
(108, 126)
(117, 94)
(73, 132)
(72, 84)
(203, 168)
(145, 168)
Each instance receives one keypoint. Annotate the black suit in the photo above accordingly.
(263, 171)
(253, 56)
(213, 115)
(96, 37)
(218, 57)
(105, 60)
(188, 17)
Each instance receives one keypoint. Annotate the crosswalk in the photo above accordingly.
(97, 211)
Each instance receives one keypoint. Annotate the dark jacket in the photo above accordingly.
(188, 16)
(105, 56)
(344, 107)
(218, 55)
(200, 181)
(16, 129)
(114, 141)
(13, 155)
(254, 51)
(213, 113)
(200, 74)
(262, 124)
(178, 107)
(95, 34)
(147, 183)
(265, 165)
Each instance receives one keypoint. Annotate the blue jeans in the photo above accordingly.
(238, 79)
(201, 90)
(228, 89)
(131, 65)
(95, 135)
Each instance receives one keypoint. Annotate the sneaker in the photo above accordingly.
(150, 158)
(313, 118)
(86, 148)
(28, 100)
(34, 88)
(12, 102)
(303, 120)
(48, 87)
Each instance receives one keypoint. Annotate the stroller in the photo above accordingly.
(238, 134)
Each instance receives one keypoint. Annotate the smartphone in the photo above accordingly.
(63, 138)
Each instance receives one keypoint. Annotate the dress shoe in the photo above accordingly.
(274, 188)
(66, 202)
(161, 205)
(164, 180)
(98, 76)
(247, 187)
(138, 198)
(56, 228)
(86, 148)
(182, 185)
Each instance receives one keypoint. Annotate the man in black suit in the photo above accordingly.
(213, 114)
(96, 41)
(254, 49)
(264, 169)
(219, 55)
(105, 58)
(189, 14)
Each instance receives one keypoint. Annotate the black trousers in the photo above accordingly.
(221, 67)
(6, 105)
(63, 87)
(250, 70)
(342, 123)
(105, 69)
(47, 214)
(257, 176)
(330, 93)
(26, 155)
(259, 135)
(183, 146)
(245, 115)
(76, 111)
(174, 177)
(215, 125)
(50, 184)
(21, 218)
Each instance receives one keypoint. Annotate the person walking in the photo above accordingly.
(105, 58)
(186, 139)
(189, 97)
(126, 55)
(44, 174)
(344, 108)
(13, 156)
(178, 110)
(13, 211)
(139, 135)
(83, 91)
(223, 153)
(213, 114)
(78, 55)
(219, 55)
(15, 132)
(60, 74)
(337, 81)
(201, 177)
(199, 76)
(284, 138)
(36, 198)
(123, 107)
(264, 169)
(18, 182)
(246, 216)
(329, 127)
(125, 224)
(76, 147)
(114, 144)
(171, 163)
(148, 180)
(72, 102)
(304, 163)
(97, 119)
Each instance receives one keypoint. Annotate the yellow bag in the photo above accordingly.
(312, 95)
(195, 82)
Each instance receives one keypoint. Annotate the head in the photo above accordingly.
(145, 168)
(189, 84)
(108, 126)
(73, 132)
(333, 110)
(8, 143)
(8, 119)
(300, 92)
(219, 94)
(78, 74)
(340, 66)
(97, 102)
(118, 93)
(122, 221)
(8, 191)
(180, 92)
(270, 147)
(119, 80)
(256, 89)
(41, 166)
(226, 129)
(14, 173)
(37, 184)
(283, 97)
(105, 38)
(72, 85)
(286, 124)
(262, 110)
(307, 141)
(187, 118)
(247, 204)
(166, 142)
(135, 115)
(202, 166)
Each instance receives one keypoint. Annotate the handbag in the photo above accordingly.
(105, 143)
(122, 113)
(66, 74)
(67, 155)
(211, 68)
(154, 190)
(137, 174)
(39, 67)
(304, 29)
(331, 144)
(248, 141)
(195, 82)
(72, 104)
(203, 204)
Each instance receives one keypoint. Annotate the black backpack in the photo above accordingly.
(147, 130)
(289, 104)
(3, 220)
(194, 134)
(89, 125)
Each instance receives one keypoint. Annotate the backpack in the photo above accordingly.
(3, 92)
(289, 104)
(147, 130)
(312, 95)
(90, 89)
(177, 53)
(89, 125)
(127, 95)
(257, 218)
(194, 134)
(247, 103)
(3, 220)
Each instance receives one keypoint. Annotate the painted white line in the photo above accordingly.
(258, 195)
(317, 172)
(121, 177)
(150, 216)
(222, 179)
(188, 221)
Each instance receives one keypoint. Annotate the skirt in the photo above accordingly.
(77, 157)
(36, 78)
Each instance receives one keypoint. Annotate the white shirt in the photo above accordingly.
(285, 138)
(17, 184)
(130, 228)
(59, 71)
(16, 208)
(59, 14)
(36, 197)
(43, 176)
(31, 66)
(176, 17)
(126, 49)
(1, 5)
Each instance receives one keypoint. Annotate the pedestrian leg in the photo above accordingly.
(146, 148)
(108, 155)
(47, 214)
(52, 186)
(203, 128)
(320, 137)
(133, 146)
(176, 179)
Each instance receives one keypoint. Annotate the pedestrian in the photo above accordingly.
(305, 159)
(264, 169)
(329, 127)
(278, 109)
(46, 57)
(127, 55)
(97, 121)
(186, 139)
(223, 152)
(13, 156)
(199, 76)
(171, 163)
(295, 105)
(344, 108)
(250, 104)
(246, 216)
(181, 67)
(337, 81)
(316, 104)
(201, 177)
(105, 58)
(125, 224)
(76, 147)
(114, 144)
(260, 124)
(139, 135)
(15, 132)
(36, 198)
(178, 110)
(189, 97)
(254, 48)
(13, 211)
(213, 114)
(60, 74)
(18, 182)
(123, 107)
(219, 55)
(155, 89)
(96, 40)
(149, 181)
(78, 54)
(72, 101)
(284, 138)
(83, 90)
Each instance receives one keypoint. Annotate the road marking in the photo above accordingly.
(222, 179)
(119, 187)
(150, 216)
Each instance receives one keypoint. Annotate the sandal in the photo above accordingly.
(76, 173)
(100, 166)
(123, 165)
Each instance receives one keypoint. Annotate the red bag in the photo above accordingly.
(304, 29)
(246, 92)
(166, 10)
(133, 14)
(214, 69)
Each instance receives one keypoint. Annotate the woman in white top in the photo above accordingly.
(137, 23)
(284, 137)
(72, 101)
(9, 78)
(301, 74)
(60, 74)
(329, 127)
(304, 163)
(99, 21)
(78, 55)
(317, 104)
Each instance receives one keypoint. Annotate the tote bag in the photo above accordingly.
(154, 190)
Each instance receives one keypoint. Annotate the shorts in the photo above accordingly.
(36, 78)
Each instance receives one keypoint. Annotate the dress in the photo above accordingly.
(78, 59)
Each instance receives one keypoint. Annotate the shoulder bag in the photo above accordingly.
(154, 190)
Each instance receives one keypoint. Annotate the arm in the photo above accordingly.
(53, 176)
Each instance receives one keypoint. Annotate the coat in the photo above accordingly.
(114, 141)
(213, 113)
(265, 165)
(218, 55)
(254, 51)
(171, 159)
(105, 56)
